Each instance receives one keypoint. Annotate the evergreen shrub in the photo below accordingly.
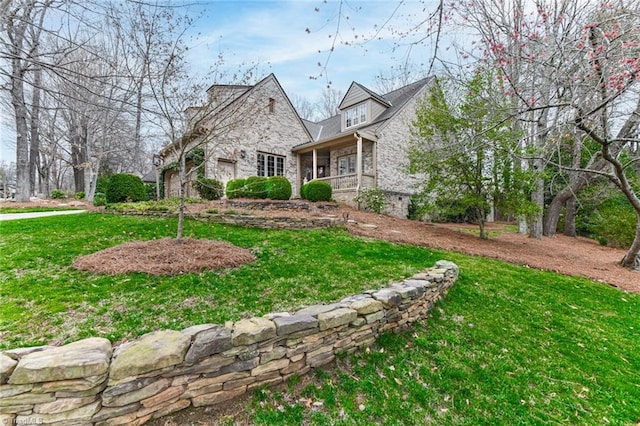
(316, 190)
(209, 189)
(278, 188)
(235, 188)
(256, 187)
(125, 187)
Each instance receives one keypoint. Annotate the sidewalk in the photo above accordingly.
(15, 216)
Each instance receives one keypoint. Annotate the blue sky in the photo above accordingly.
(273, 34)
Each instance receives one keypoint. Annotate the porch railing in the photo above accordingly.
(349, 181)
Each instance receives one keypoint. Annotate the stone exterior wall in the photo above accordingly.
(393, 163)
(251, 129)
(91, 383)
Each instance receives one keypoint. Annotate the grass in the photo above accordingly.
(6, 210)
(294, 268)
(508, 345)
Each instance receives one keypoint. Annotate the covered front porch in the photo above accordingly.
(347, 163)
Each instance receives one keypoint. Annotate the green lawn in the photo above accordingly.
(509, 345)
(293, 269)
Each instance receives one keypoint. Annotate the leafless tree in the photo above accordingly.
(21, 29)
(329, 102)
(305, 108)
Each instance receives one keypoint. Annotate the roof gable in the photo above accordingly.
(358, 93)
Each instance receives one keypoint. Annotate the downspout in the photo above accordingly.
(358, 162)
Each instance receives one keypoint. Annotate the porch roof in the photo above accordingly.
(348, 136)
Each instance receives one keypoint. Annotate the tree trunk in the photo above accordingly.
(570, 218)
(78, 158)
(537, 197)
(632, 258)
(34, 149)
(182, 180)
(20, 111)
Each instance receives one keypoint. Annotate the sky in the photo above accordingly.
(292, 38)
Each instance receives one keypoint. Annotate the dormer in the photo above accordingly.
(360, 106)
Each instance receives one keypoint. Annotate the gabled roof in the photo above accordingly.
(245, 91)
(396, 99)
(371, 93)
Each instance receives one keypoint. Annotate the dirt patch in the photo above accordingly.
(565, 255)
(165, 256)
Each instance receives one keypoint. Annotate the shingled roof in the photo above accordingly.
(331, 127)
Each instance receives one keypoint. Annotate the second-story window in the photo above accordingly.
(356, 115)
(272, 105)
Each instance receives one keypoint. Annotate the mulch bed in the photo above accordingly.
(165, 256)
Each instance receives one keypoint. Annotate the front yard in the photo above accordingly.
(508, 345)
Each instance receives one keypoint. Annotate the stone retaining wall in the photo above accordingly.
(275, 222)
(91, 383)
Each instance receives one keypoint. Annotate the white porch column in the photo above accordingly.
(298, 175)
(359, 162)
(315, 164)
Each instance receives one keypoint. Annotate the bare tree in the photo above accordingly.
(329, 102)
(305, 108)
(21, 25)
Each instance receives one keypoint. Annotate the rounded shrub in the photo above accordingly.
(80, 195)
(278, 188)
(256, 187)
(235, 188)
(124, 187)
(58, 194)
(99, 199)
(316, 190)
(209, 189)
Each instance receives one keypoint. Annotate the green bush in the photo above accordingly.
(613, 222)
(235, 188)
(124, 187)
(99, 199)
(278, 188)
(209, 189)
(316, 190)
(372, 198)
(58, 194)
(80, 195)
(102, 183)
(256, 187)
(303, 191)
(150, 189)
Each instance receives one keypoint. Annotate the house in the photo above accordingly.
(364, 146)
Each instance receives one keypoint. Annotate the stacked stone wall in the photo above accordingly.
(91, 383)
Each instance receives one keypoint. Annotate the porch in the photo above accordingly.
(347, 163)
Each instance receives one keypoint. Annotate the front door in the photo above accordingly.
(226, 171)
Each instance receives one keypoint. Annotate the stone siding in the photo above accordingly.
(393, 162)
(91, 383)
(251, 129)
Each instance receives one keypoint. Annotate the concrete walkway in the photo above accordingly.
(15, 216)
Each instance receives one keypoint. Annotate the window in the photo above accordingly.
(356, 115)
(272, 105)
(347, 164)
(270, 165)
